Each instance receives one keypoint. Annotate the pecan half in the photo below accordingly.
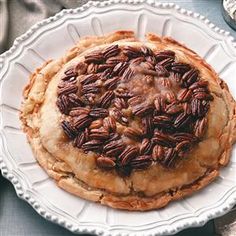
(90, 88)
(174, 108)
(184, 95)
(79, 111)
(169, 160)
(63, 104)
(180, 67)
(69, 88)
(105, 162)
(120, 103)
(200, 127)
(141, 162)
(135, 100)
(99, 134)
(95, 57)
(92, 68)
(182, 120)
(190, 77)
(146, 146)
(88, 79)
(142, 109)
(119, 116)
(98, 113)
(131, 52)
(160, 104)
(146, 51)
(96, 124)
(180, 136)
(120, 68)
(82, 121)
(111, 83)
(148, 125)
(158, 152)
(69, 129)
(106, 99)
(109, 124)
(160, 56)
(163, 139)
(183, 146)
(80, 139)
(93, 145)
(114, 148)
(128, 154)
(162, 71)
(74, 100)
(133, 133)
(111, 51)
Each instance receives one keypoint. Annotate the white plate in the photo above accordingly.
(50, 39)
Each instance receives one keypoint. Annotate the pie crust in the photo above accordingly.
(153, 187)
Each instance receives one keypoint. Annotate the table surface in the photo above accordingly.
(18, 218)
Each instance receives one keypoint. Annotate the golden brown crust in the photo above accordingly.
(124, 193)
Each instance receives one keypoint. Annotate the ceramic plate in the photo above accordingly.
(50, 39)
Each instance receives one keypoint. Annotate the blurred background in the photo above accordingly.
(16, 17)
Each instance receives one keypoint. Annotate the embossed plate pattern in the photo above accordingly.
(50, 39)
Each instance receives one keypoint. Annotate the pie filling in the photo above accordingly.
(133, 107)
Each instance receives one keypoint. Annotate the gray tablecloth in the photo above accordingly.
(16, 16)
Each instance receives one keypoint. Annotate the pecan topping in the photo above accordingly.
(133, 107)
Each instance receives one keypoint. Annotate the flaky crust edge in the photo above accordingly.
(130, 202)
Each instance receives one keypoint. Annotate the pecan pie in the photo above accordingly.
(130, 124)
